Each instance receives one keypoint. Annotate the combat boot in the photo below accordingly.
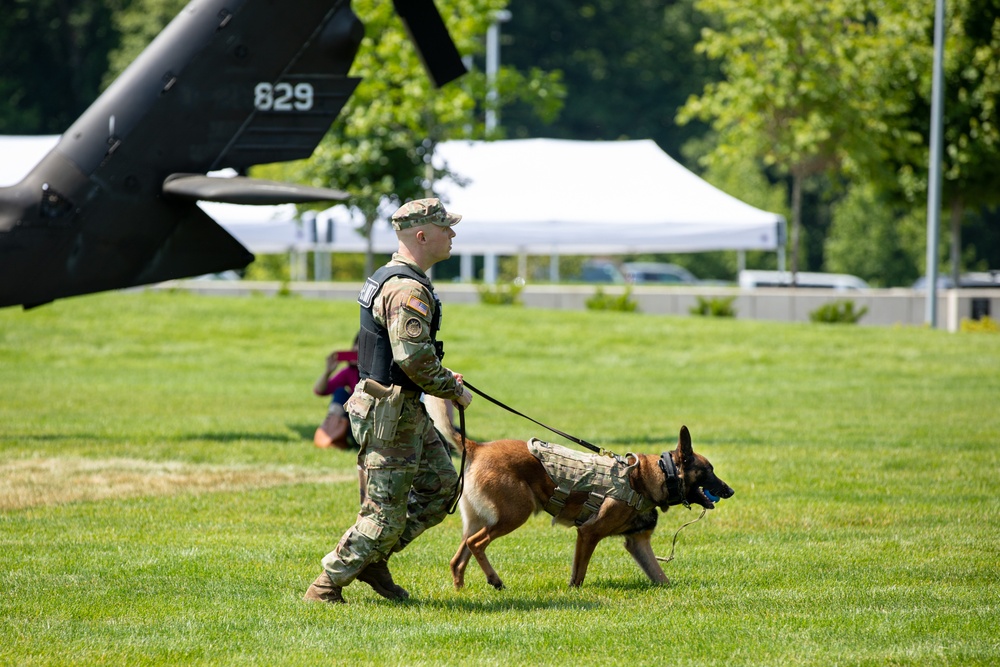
(378, 577)
(323, 590)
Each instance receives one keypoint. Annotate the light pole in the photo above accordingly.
(492, 67)
(934, 177)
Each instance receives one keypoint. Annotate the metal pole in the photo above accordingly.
(492, 67)
(934, 176)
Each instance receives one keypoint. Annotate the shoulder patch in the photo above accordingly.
(368, 292)
(413, 327)
(415, 304)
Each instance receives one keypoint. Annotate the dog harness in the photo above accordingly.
(374, 348)
(599, 477)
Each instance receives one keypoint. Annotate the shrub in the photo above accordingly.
(622, 302)
(269, 267)
(985, 325)
(715, 307)
(501, 295)
(838, 312)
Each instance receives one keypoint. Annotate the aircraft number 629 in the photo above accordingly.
(283, 97)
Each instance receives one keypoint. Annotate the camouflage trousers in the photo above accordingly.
(410, 481)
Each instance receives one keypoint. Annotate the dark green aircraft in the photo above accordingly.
(229, 83)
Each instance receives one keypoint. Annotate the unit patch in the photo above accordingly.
(413, 303)
(414, 327)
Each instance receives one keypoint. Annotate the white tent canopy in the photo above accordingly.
(541, 196)
(529, 196)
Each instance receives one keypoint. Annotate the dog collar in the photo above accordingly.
(675, 492)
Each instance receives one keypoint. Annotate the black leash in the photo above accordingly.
(460, 484)
(579, 441)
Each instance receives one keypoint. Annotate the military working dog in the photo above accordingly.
(506, 481)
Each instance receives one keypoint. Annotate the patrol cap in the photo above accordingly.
(422, 211)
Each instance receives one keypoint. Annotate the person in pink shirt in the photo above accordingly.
(335, 431)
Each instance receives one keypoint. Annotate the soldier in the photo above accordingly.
(410, 476)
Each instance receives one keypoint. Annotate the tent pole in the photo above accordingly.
(490, 269)
(465, 272)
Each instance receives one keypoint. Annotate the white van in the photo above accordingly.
(835, 281)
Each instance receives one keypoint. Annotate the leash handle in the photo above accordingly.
(579, 441)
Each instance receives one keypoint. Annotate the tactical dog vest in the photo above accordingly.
(374, 348)
(599, 477)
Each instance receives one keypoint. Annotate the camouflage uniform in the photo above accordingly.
(410, 476)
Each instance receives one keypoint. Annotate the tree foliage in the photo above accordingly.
(138, 25)
(972, 107)
(379, 148)
(875, 240)
(53, 54)
(832, 97)
(627, 66)
(971, 137)
(841, 89)
(803, 86)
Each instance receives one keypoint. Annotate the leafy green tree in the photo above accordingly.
(801, 89)
(138, 24)
(875, 240)
(971, 169)
(627, 66)
(379, 148)
(53, 54)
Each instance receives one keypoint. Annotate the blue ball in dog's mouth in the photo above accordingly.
(711, 496)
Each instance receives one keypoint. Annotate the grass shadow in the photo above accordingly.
(623, 585)
(305, 431)
(237, 436)
(505, 604)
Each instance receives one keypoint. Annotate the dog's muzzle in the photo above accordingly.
(717, 491)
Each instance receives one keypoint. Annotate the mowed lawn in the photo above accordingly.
(161, 501)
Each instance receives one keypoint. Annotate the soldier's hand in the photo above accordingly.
(463, 400)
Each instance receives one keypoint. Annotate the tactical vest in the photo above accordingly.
(597, 476)
(374, 349)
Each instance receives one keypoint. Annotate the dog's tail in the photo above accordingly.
(440, 413)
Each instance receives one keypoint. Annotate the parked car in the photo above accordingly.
(642, 273)
(223, 275)
(976, 279)
(835, 281)
(600, 271)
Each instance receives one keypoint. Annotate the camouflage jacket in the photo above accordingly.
(405, 308)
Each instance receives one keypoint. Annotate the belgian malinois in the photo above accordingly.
(505, 484)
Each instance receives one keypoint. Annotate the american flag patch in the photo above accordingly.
(413, 303)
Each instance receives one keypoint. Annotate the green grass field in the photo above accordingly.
(161, 501)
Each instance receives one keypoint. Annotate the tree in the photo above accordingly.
(139, 24)
(53, 54)
(379, 148)
(971, 170)
(875, 240)
(801, 89)
(627, 66)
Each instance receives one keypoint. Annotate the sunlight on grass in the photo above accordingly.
(51, 481)
(161, 501)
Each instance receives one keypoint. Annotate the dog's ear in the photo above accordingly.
(684, 447)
